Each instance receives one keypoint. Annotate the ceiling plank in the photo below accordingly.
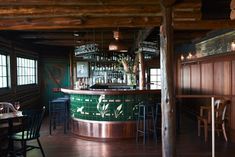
(73, 43)
(73, 11)
(90, 36)
(203, 25)
(185, 5)
(187, 15)
(76, 2)
(75, 23)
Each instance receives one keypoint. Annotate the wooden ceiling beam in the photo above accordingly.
(105, 44)
(76, 23)
(187, 16)
(11, 11)
(81, 15)
(76, 2)
(187, 5)
(90, 36)
(190, 34)
(203, 25)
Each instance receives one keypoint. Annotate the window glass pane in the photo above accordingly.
(4, 81)
(155, 78)
(3, 71)
(1, 82)
(26, 71)
(153, 86)
(4, 60)
(1, 59)
(153, 71)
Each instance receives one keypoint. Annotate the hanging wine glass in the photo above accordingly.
(17, 105)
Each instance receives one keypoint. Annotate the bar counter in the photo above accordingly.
(106, 113)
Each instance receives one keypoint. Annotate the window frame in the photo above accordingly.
(158, 75)
(35, 61)
(8, 70)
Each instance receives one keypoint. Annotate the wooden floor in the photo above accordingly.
(187, 142)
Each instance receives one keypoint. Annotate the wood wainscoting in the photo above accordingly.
(213, 75)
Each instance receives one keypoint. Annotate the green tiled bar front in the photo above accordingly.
(105, 107)
(106, 113)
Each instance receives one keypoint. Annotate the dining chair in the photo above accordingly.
(30, 131)
(204, 119)
(4, 126)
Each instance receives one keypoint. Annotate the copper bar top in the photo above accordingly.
(109, 91)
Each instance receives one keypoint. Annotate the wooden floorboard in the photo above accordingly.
(188, 145)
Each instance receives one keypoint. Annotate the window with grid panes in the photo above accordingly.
(155, 78)
(4, 72)
(26, 71)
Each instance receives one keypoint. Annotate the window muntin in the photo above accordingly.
(4, 73)
(155, 78)
(26, 71)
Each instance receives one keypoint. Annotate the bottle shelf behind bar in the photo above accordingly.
(104, 68)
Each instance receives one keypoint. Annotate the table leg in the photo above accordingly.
(10, 142)
(213, 125)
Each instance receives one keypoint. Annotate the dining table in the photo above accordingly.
(9, 118)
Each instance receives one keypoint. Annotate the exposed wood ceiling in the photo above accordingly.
(54, 22)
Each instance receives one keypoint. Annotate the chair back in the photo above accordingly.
(32, 123)
(8, 107)
(220, 109)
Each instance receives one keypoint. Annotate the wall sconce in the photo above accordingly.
(233, 46)
(182, 57)
(189, 55)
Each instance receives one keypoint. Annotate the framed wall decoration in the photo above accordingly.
(82, 69)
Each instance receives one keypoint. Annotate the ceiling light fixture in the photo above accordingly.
(117, 45)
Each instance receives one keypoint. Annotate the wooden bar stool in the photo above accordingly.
(58, 113)
(146, 119)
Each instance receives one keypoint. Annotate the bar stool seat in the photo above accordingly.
(58, 113)
(146, 119)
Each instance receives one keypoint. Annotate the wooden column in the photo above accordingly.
(71, 73)
(167, 91)
(232, 7)
(142, 71)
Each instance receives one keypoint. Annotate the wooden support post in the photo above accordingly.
(71, 73)
(213, 125)
(232, 7)
(142, 71)
(167, 77)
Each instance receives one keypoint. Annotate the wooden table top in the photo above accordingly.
(11, 115)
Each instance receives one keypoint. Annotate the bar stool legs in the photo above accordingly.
(147, 119)
(58, 113)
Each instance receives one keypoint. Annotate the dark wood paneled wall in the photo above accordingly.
(212, 75)
(29, 96)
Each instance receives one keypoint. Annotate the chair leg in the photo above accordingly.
(50, 123)
(137, 126)
(224, 132)
(205, 130)
(199, 128)
(154, 126)
(144, 140)
(24, 148)
(43, 154)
